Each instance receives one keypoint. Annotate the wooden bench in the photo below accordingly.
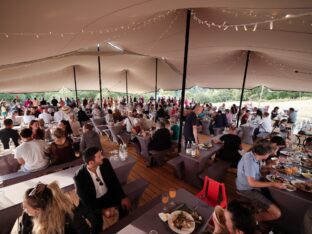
(157, 157)
(178, 164)
(134, 190)
(20, 176)
(216, 171)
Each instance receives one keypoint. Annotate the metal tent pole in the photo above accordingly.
(100, 78)
(74, 70)
(243, 88)
(127, 86)
(187, 35)
(156, 77)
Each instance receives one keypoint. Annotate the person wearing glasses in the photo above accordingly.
(46, 209)
(99, 189)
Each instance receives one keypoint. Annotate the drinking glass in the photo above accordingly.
(172, 195)
(165, 200)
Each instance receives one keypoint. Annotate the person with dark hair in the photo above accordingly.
(274, 112)
(245, 117)
(65, 125)
(82, 116)
(190, 127)
(292, 115)
(240, 217)
(99, 189)
(248, 181)
(7, 133)
(89, 138)
(109, 116)
(61, 150)
(38, 133)
(161, 139)
(30, 154)
(231, 146)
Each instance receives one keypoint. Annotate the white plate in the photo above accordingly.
(295, 182)
(287, 153)
(173, 216)
(269, 178)
(290, 188)
(307, 175)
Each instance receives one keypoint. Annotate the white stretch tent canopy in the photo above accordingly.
(40, 42)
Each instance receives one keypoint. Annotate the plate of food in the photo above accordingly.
(306, 175)
(290, 187)
(287, 153)
(276, 178)
(303, 185)
(181, 222)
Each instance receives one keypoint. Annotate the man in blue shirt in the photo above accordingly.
(248, 181)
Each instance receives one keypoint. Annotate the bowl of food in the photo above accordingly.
(181, 222)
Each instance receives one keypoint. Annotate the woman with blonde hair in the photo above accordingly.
(47, 210)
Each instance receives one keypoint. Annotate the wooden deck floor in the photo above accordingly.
(160, 179)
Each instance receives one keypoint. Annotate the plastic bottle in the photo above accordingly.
(121, 152)
(188, 148)
(1, 148)
(193, 149)
(11, 145)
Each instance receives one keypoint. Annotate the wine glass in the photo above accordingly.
(172, 195)
(165, 200)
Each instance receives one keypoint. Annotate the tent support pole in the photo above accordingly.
(127, 86)
(243, 88)
(100, 78)
(187, 36)
(156, 77)
(74, 70)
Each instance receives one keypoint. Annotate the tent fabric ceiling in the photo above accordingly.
(41, 41)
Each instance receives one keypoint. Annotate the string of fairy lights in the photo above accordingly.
(132, 26)
(247, 26)
(108, 34)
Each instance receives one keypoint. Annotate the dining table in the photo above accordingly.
(146, 218)
(293, 204)
(11, 196)
(193, 166)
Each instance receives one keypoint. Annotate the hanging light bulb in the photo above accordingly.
(225, 28)
(6, 35)
(236, 28)
(62, 35)
(245, 27)
(37, 36)
(255, 28)
(271, 25)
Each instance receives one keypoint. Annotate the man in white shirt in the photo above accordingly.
(59, 116)
(30, 154)
(130, 121)
(266, 124)
(46, 116)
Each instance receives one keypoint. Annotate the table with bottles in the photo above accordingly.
(195, 159)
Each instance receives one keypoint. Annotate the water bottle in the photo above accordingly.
(125, 151)
(193, 149)
(188, 148)
(11, 145)
(1, 148)
(121, 152)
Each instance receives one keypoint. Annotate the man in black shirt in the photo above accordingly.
(190, 126)
(161, 139)
(54, 101)
(231, 146)
(7, 133)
